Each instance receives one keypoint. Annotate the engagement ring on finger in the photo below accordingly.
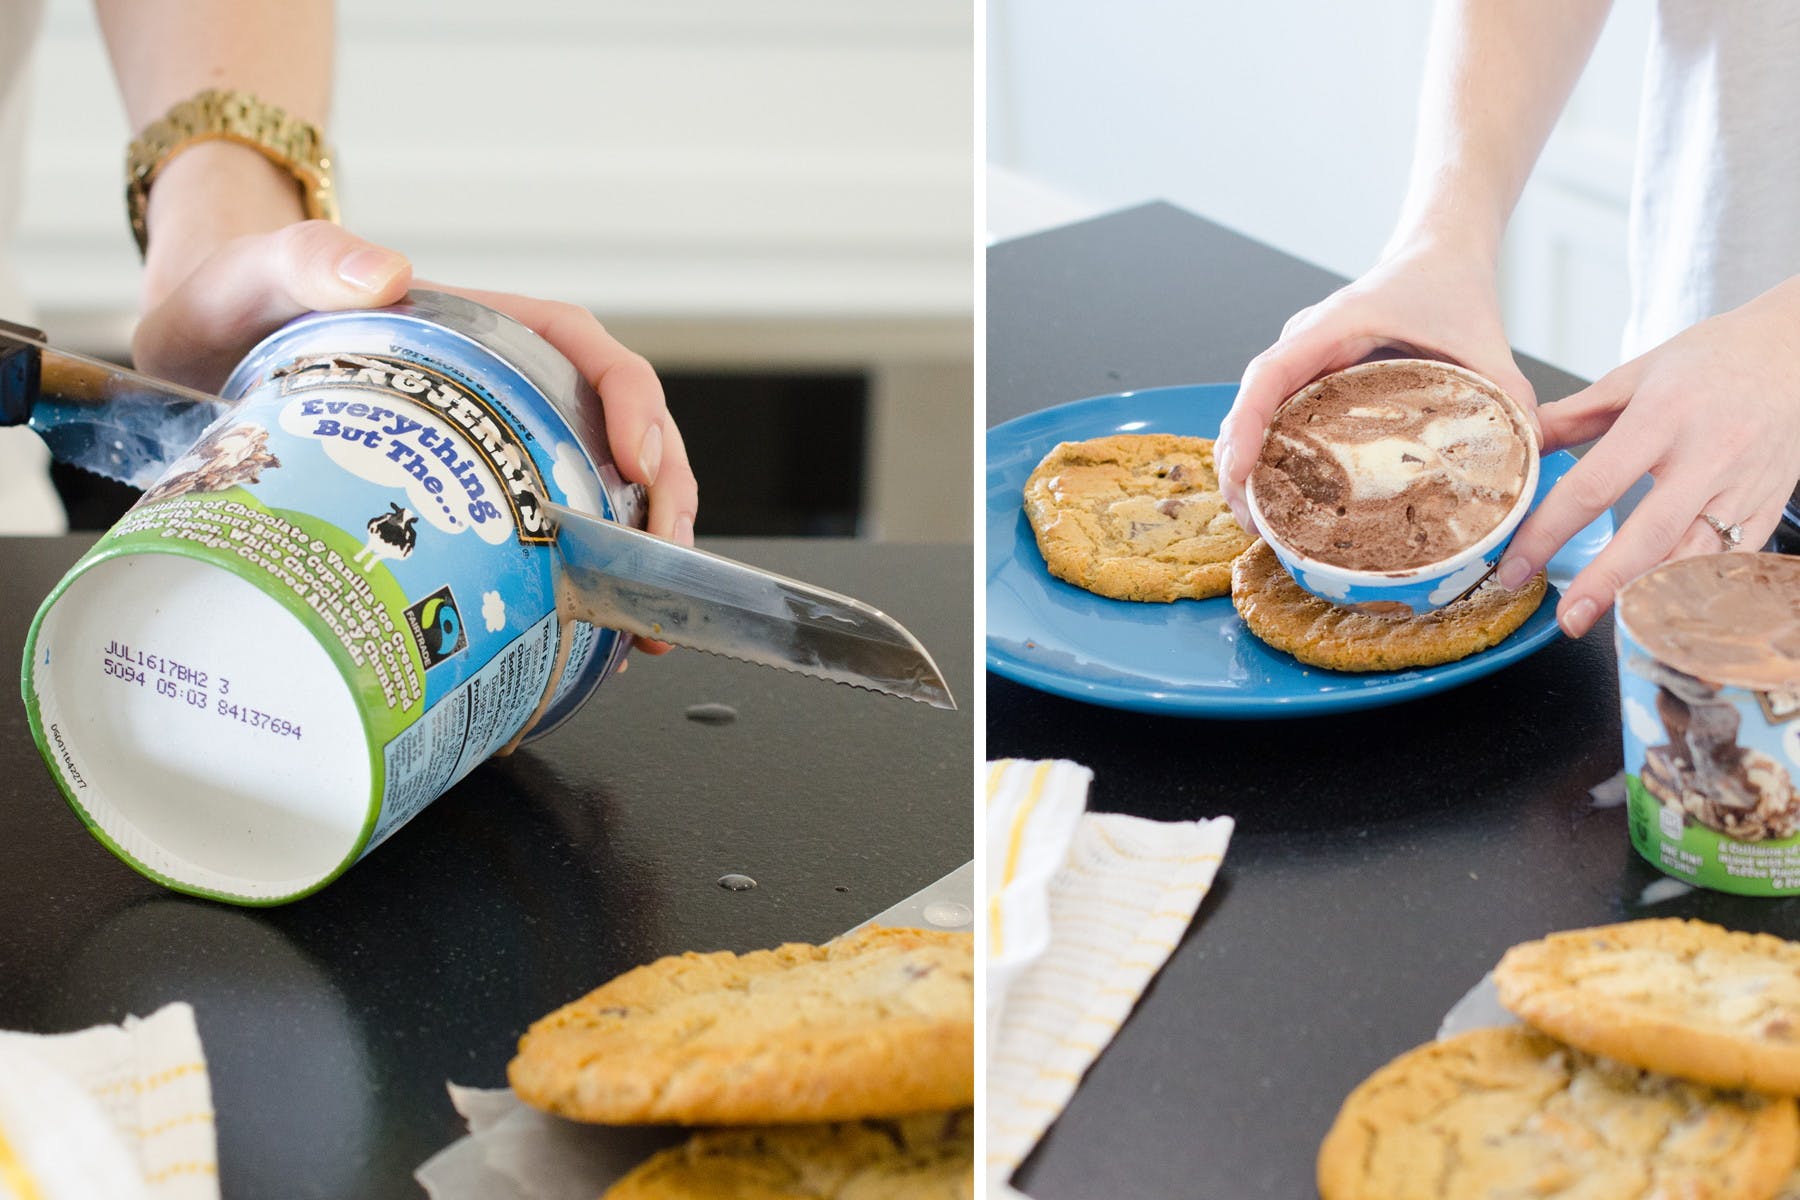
(1730, 536)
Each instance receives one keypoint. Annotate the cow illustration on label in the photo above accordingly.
(391, 535)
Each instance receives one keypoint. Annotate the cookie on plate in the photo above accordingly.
(1682, 997)
(928, 1156)
(879, 1023)
(1511, 1112)
(1322, 634)
(1135, 517)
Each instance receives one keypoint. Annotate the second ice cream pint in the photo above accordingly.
(1709, 683)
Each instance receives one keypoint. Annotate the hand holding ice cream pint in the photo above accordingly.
(1394, 485)
(338, 604)
(1709, 680)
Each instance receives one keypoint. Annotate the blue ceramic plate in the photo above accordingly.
(1192, 657)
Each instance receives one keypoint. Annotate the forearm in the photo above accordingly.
(164, 51)
(1497, 74)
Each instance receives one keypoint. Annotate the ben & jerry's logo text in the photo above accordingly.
(487, 433)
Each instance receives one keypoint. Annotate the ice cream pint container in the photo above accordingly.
(1709, 686)
(1424, 588)
(335, 606)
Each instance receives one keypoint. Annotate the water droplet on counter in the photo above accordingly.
(948, 914)
(736, 883)
(1609, 793)
(712, 714)
(1663, 889)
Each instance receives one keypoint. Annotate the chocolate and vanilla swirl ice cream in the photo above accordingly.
(1391, 466)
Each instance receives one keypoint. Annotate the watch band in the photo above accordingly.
(295, 146)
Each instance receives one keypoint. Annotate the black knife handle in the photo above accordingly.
(21, 370)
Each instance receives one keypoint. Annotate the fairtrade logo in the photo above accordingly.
(437, 626)
(441, 626)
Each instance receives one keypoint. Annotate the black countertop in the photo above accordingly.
(332, 1024)
(1382, 860)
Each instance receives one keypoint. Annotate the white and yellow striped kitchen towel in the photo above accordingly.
(1083, 909)
(120, 1111)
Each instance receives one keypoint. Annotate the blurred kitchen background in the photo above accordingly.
(772, 201)
(1292, 122)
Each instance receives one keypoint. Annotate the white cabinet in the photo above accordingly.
(802, 157)
(775, 184)
(1292, 122)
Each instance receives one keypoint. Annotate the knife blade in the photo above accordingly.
(622, 578)
(97, 415)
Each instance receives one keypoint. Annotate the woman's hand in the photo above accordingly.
(196, 330)
(643, 436)
(1712, 416)
(1429, 299)
(644, 439)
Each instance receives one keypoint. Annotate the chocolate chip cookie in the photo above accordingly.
(879, 1023)
(1323, 634)
(1135, 517)
(929, 1156)
(1682, 997)
(1511, 1112)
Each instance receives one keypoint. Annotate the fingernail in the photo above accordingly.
(683, 533)
(650, 454)
(1514, 571)
(370, 268)
(1580, 617)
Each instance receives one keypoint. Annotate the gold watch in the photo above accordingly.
(295, 146)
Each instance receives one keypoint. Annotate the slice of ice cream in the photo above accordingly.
(1391, 469)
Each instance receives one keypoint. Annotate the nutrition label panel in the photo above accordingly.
(466, 726)
(581, 641)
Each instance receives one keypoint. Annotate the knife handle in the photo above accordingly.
(21, 371)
